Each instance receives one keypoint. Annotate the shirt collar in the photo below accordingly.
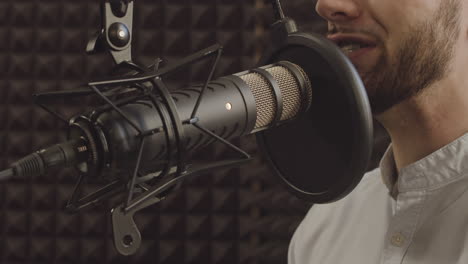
(437, 170)
(389, 172)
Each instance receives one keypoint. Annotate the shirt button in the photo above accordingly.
(398, 240)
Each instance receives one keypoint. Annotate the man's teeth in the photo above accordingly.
(350, 48)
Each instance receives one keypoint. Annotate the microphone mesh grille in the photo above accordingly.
(264, 98)
(289, 90)
(264, 95)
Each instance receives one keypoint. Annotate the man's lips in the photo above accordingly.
(355, 46)
(357, 54)
(340, 39)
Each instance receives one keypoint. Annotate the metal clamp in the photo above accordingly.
(127, 237)
(115, 36)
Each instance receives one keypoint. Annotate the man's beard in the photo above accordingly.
(422, 59)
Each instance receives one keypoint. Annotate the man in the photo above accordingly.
(413, 58)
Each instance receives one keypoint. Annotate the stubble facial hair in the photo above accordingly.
(422, 59)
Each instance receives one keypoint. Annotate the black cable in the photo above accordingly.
(6, 174)
(279, 14)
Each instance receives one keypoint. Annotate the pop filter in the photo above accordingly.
(323, 155)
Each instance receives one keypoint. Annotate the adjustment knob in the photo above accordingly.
(119, 35)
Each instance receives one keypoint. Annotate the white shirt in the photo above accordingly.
(420, 218)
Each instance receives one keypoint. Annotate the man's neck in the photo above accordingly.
(432, 119)
(423, 124)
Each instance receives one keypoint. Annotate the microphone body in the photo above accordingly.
(231, 106)
(226, 109)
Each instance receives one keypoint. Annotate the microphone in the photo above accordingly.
(142, 136)
(317, 144)
(103, 142)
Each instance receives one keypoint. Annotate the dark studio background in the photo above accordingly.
(236, 216)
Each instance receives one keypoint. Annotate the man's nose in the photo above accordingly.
(338, 10)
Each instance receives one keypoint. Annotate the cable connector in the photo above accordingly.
(36, 164)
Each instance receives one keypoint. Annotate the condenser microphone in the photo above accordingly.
(233, 106)
(308, 108)
(318, 143)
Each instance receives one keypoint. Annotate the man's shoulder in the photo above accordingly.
(371, 192)
(326, 222)
(371, 185)
(371, 182)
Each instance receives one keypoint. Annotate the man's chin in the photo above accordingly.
(379, 100)
(369, 82)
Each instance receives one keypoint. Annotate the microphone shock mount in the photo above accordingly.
(140, 189)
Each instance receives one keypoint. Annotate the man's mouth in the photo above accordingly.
(350, 47)
(360, 49)
(350, 43)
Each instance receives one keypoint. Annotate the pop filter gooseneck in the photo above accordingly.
(323, 155)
